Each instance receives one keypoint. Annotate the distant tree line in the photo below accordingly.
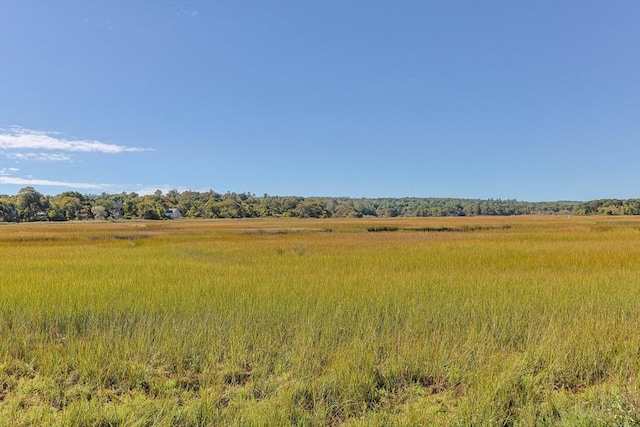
(30, 205)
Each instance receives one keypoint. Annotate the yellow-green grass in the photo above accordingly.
(498, 321)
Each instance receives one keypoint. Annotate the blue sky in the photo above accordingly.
(527, 100)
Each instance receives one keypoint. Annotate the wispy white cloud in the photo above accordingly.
(102, 26)
(192, 13)
(8, 171)
(150, 189)
(11, 180)
(7, 177)
(42, 157)
(18, 138)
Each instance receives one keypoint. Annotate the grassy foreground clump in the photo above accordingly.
(516, 321)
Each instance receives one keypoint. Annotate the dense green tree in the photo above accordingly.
(65, 207)
(8, 210)
(631, 207)
(311, 208)
(172, 197)
(115, 206)
(31, 205)
(99, 212)
(150, 207)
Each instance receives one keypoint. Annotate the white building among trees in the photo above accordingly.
(172, 213)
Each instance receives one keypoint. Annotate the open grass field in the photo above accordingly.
(469, 321)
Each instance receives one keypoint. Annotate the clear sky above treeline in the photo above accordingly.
(527, 100)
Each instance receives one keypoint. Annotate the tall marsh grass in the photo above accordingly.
(517, 321)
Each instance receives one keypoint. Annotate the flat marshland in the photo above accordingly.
(439, 321)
